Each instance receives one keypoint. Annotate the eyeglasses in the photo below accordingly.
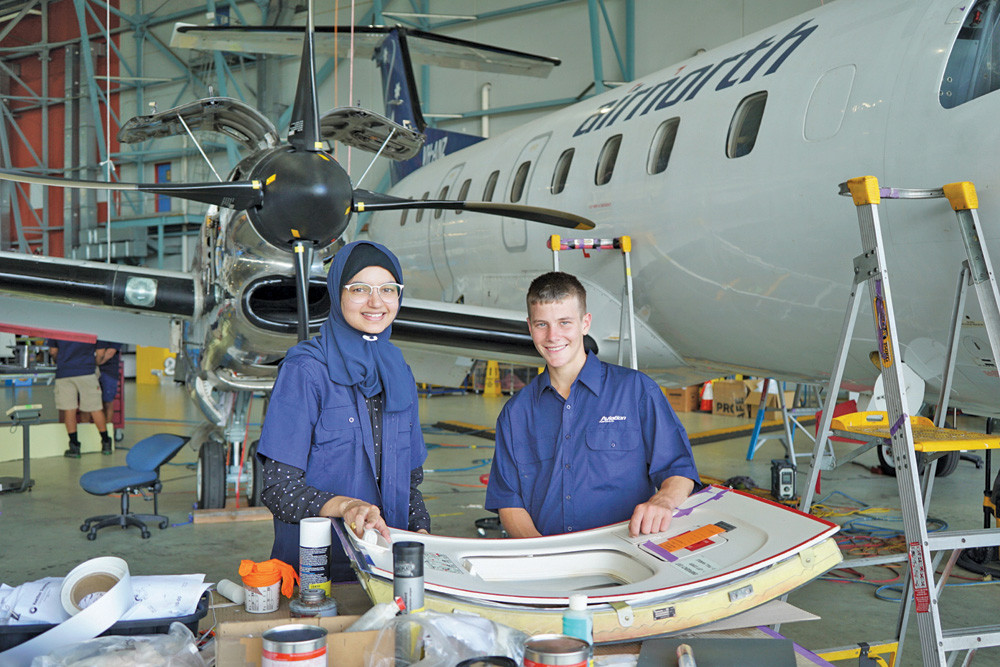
(362, 292)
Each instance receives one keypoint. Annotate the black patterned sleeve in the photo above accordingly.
(286, 494)
(419, 518)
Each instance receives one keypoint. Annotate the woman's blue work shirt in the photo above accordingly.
(324, 429)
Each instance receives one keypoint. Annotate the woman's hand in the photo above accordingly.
(360, 516)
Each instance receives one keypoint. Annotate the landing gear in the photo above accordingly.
(945, 465)
(211, 476)
(253, 473)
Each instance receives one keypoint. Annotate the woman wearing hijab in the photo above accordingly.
(342, 434)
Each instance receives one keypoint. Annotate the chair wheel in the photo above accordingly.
(145, 534)
(164, 524)
(85, 527)
(119, 434)
(91, 536)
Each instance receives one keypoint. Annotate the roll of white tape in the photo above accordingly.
(96, 594)
(87, 582)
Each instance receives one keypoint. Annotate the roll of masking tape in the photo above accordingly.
(96, 594)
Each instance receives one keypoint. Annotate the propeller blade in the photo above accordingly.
(365, 200)
(303, 132)
(303, 251)
(239, 195)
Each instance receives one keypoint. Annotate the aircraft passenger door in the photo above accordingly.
(515, 231)
(437, 232)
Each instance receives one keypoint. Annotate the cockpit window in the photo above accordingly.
(974, 65)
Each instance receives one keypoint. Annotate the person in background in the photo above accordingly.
(109, 364)
(77, 388)
(342, 436)
(586, 443)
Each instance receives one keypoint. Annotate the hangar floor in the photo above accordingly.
(40, 536)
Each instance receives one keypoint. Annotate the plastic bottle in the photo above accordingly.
(577, 620)
(376, 617)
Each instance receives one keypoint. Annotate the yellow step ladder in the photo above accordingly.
(907, 434)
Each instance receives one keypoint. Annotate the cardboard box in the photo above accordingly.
(772, 406)
(685, 399)
(729, 397)
(238, 644)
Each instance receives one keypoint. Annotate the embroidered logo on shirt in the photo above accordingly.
(612, 418)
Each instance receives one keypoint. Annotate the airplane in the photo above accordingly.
(258, 283)
(724, 170)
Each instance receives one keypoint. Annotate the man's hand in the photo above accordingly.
(654, 515)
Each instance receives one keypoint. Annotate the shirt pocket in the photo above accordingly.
(615, 452)
(337, 428)
(534, 470)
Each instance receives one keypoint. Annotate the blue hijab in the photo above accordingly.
(352, 357)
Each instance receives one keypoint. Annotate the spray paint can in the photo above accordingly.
(408, 574)
(315, 537)
(294, 645)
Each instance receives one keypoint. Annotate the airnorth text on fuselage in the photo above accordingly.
(642, 99)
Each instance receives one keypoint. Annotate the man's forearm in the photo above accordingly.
(517, 522)
(674, 491)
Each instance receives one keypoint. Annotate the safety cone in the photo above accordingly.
(706, 397)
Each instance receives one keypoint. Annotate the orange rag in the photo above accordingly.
(260, 575)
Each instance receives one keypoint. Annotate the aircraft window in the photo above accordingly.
(663, 144)
(442, 196)
(561, 172)
(606, 161)
(420, 211)
(463, 192)
(491, 185)
(517, 187)
(973, 68)
(746, 123)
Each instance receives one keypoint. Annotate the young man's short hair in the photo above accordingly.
(556, 286)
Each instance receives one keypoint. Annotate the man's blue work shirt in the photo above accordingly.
(586, 461)
(74, 359)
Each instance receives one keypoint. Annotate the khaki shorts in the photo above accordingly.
(82, 391)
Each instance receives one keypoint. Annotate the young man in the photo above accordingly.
(77, 387)
(586, 443)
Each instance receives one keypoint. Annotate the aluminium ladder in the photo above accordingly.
(907, 434)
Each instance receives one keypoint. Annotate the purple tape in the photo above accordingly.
(715, 496)
(898, 425)
(660, 551)
(804, 652)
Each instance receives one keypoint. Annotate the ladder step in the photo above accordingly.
(958, 639)
(964, 539)
(926, 436)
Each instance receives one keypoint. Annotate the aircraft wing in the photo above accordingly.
(113, 301)
(425, 48)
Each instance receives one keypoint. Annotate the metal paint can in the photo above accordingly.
(299, 645)
(556, 651)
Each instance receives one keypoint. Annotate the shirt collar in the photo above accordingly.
(590, 376)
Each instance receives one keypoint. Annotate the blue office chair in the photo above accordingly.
(141, 473)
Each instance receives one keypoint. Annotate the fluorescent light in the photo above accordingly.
(415, 15)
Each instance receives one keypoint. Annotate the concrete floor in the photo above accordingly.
(40, 536)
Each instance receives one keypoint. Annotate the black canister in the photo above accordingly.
(408, 574)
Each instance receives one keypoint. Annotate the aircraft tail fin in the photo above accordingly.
(395, 57)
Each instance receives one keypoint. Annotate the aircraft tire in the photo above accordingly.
(888, 466)
(211, 476)
(947, 464)
(255, 471)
